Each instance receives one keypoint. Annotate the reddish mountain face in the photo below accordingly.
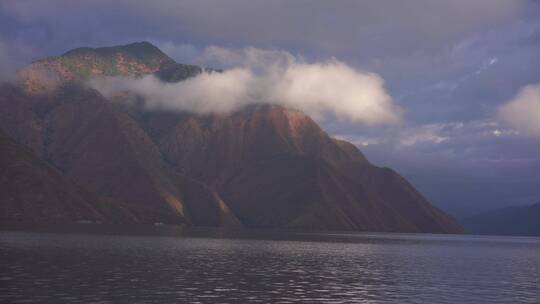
(211, 147)
(261, 166)
(33, 191)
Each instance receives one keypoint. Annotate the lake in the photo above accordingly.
(173, 265)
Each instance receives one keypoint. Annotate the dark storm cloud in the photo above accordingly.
(449, 64)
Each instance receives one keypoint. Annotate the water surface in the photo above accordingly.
(169, 266)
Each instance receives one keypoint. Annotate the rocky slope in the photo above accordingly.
(135, 59)
(98, 144)
(34, 192)
(276, 167)
(261, 166)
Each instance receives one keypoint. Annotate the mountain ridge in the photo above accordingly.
(80, 64)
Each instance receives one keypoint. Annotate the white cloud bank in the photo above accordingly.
(267, 76)
(522, 113)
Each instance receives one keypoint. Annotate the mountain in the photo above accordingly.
(135, 59)
(521, 220)
(276, 167)
(260, 166)
(35, 192)
(100, 146)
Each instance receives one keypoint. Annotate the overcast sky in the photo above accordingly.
(466, 74)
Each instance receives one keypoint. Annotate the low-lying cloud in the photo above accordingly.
(266, 76)
(522, 113)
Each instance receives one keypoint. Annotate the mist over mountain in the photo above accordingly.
(254, 164)
(519, 221)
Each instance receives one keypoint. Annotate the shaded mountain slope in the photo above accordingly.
(35, 192)
(19, 119)
(521, 220)
(98, 144)
(307, 192)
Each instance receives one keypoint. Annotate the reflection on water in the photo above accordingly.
(362, 268)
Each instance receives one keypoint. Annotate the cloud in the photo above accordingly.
(477, 166)
(183, 52)
(344, 28)
(523, 111)
(208, 92)
(249, 57)
(267, 76)
(456, 137)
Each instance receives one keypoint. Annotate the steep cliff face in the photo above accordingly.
(260, 166)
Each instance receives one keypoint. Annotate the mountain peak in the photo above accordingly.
(143, 50)
(80, 64)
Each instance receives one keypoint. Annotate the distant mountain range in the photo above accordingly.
(70, 154)
(521, 220)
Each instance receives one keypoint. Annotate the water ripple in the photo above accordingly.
(127, 269)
